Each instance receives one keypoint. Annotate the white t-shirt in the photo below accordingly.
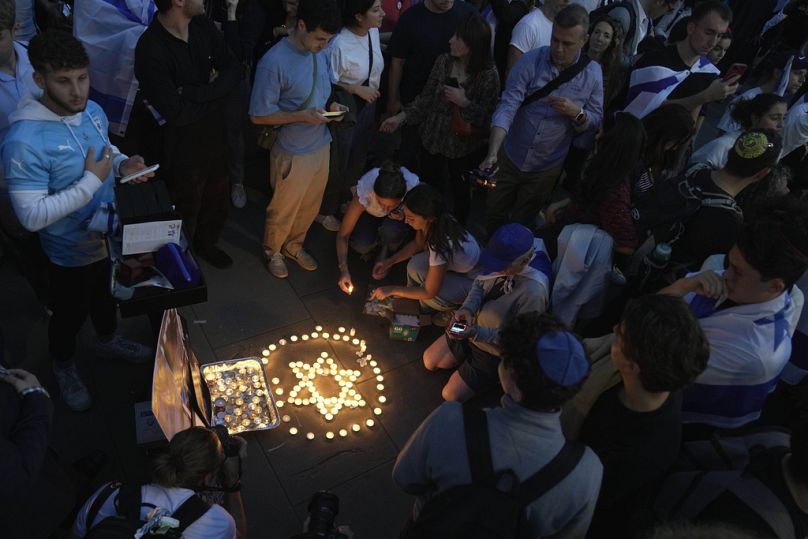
(715, 152)
(795, 133)
(216, 523)
(367, 196)
(462, 261)
(588, 5)
(348, 56)
(534, 30)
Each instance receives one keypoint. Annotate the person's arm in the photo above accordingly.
(427, 101)
(474, 299)
(706, 283)
(719, 89)
(511, 100)
(408, 251)
(230, 477)
(28, 181)
(394, 84)
(265, 98)
(349, 220)
(431, 288)
(513, 56)
(228, 73)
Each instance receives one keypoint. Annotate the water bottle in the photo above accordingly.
(655, 263)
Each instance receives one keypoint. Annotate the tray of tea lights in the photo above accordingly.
(241, 397)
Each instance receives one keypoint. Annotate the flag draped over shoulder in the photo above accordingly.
(109, 30)
(650, 86)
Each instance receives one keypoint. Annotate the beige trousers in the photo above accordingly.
(298, 182)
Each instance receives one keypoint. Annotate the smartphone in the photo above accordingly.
(140, 173)
(735, 70)
(457, 328)
(453, 82)
(334, 114)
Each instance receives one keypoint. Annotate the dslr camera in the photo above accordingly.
(323, 509)
(483, 178)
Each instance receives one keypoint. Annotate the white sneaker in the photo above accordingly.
(329, 222)
(120, 348)
(277, 266)
(238, 196)
(72, 388)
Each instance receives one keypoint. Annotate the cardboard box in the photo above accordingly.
(407, 320)
(147, 216)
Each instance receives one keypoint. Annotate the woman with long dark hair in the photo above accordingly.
(461, 92)
(605, 46)
(443, 256)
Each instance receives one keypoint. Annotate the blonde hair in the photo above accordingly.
(192, 455)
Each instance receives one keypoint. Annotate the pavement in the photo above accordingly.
(246, 310)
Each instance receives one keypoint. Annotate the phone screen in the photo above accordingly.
(457, 328)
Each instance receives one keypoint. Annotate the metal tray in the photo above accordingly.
(240, 411)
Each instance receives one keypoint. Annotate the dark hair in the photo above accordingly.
(571, 16)
(352, 8)
(798, 464)
(476, 34)
(660, 334)
(55, 50)
(322, 14)
(679, 30)
(163, 5)
(612, 59)
(744, 109)
(703, 9)
(191, 456)
(774, 238)
(614, 162)
(390, 182)
(8, 15)
(745, 168)
(668, 123)
(517, 339)
(446, 234)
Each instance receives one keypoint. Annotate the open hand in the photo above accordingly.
(103, 166)
(382, 293)
(19, 379)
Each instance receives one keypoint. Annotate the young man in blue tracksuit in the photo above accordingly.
(60, 168)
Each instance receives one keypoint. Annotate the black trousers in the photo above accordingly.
(433, 172)
(76, 293)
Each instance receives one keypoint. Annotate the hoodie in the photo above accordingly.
(43, 155)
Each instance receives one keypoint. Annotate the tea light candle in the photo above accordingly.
(293, 338)
(265, 361)
(355, 342)
(370, 423)
(346, 338)
(329, 435)
(265, 353)
(279, 404)
(352, 332)
(318, 328)
(382, 399)
(282, 342)
(305, 337)
(314, 334)
(343, 433)
(272, 347)
(276, 381)
(326, 335)
(380, 378)
(377, 411)
(355, 427)
(310, 435)
(372, 362)
(380, 387)
(286, 419)
(329, 417)
(279, 391)
(293, 430)
(377, 370)
(341, 329)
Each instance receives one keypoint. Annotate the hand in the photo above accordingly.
(135, 164)
(393, 106)
(382, 293)
(229, 472)
(103, 166)
(367, 93)
(462, 316)
(19, 379)
(456, 96)
(380, 269)
(564, 106)
(338, 107)
(312, 116)
(489, 163)
(721, 89)
(392, 123)
(345, 283)
(708, 284)
(552, 211)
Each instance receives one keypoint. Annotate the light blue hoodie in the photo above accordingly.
(43, 155)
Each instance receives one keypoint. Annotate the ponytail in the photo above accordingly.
(191, 456)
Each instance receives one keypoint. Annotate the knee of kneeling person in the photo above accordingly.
(454, 391)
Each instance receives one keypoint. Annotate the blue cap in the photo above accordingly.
(562, 358)
(507, 244)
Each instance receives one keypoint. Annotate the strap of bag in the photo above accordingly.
(99, 501)
(370, 61)
(478, 447)
(190, 511)
(551, 473)
(565, 76)
(305, 104)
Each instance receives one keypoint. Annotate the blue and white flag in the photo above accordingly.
(650, 86)
(782, 82)
(109, 30)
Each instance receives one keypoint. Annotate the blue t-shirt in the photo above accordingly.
(283, 80)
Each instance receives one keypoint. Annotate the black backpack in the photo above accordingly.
(605, 10)
(128, 504)
(493, 505)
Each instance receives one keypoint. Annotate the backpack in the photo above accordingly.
(724, 464)
(493, 505)
(620, 11)
(128, 522)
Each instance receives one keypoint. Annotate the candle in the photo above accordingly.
(329, 417)
(265, 353)
(286, 419)
(372, 362)
(279, 391)
(343, 433)
(305, 337)
(310, 435)
(341, 329)
(377, 370)
(279, 404)
(282, 342)
(346, 338)
(380, 387)
(329, 435)
(293, 430)
(352, 332)
(325, 335)
(318, 328)
(355, 342)
(324, 354)
(350, 289)
(293, 338)
(380, 378)
(265, 361)
(382, 399)
(272, 347)
(314, 334)
(355, 427)
(377, 411)
(276, 381)
(370, 423)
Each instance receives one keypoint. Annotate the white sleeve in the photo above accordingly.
(107, 510)
(524, 35)
(216, 523)
(36, 209)
(795, 133)
(335, 61)
(435, 259)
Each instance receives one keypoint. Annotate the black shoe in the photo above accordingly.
(214, 256)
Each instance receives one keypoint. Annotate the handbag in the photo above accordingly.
(344, 97)
(269, 134)
(464, 129)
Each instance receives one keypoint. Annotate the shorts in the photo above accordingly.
(478, 368)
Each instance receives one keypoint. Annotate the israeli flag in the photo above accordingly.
(650, 86)
(109, 30)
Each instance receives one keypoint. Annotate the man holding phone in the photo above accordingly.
(514, 279)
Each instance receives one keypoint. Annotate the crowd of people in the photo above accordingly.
(602, 202)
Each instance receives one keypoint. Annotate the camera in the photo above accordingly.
(230, 445)
(323, 509)
(483, 178)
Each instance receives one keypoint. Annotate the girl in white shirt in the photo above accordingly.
(442, 257)
(356, 62)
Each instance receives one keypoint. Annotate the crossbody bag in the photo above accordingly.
(269, 134)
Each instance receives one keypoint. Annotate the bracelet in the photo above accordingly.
(32, 390)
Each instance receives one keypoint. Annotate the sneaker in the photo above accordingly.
(277, 266)
(238, 196)
(214, 256)
(329, 222)
(442, 318)
(303, 259)
(72, 388)
(119, 348)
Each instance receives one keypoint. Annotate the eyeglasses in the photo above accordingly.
(397, 212)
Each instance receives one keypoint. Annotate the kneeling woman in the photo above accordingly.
(443, 255)
(374, 216)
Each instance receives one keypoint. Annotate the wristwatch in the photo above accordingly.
(580, 117)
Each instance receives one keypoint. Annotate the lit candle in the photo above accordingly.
(279, 391)
(326, 335)
(346, 338)
(314, 334)
(370, 423)
(292, 365)
(352, 332)
(265, 353)
(293, 430)
(305, 337)
(350, 289)
(272, 347)
(318, 328)
(324, 354)
(380, 387)
(265, 361)
(286, 419)
(279, 404)
(329, 435)
(380, 378)
(377, 411)
(355, 341)
(329, 417)
(282, 342)
(293, 338)
(276, 381)
(343, 433)
(355, 427)
(382, 399)
(377, 370)
(341, 329)
(310, 435)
